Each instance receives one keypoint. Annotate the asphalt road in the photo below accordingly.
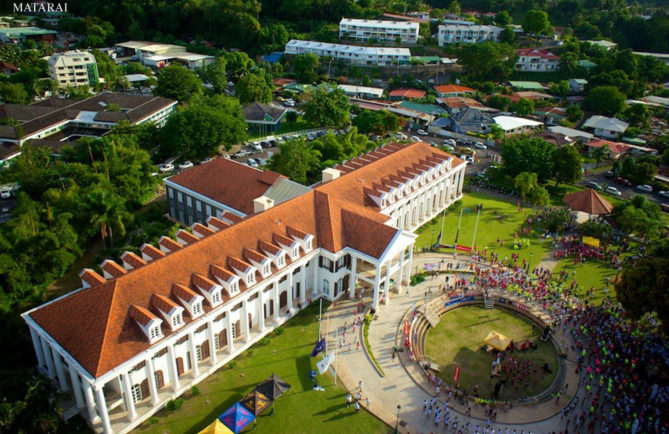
(627, 192)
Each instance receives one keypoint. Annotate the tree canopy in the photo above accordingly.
(528, 154)
(379, 122)
(326, 107)
(254, 87)
(178, 82)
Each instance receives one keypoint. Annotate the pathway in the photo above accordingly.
(397, 387)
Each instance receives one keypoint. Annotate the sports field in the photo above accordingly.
(457, 341)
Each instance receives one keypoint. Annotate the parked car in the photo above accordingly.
(401, 136)
(166, 168)
(433, 144)
(623, 181)
(664, 193)
(450, 142)
(260, 161)
(5, 193)
(251, 162)
(645, 188)
(479, 145)
(208, 159)
(609, 174)
(422, 132)
(415, 139)
(186, 165)
(614, 191)
(289, 103)
(449, 148)
(241, 153)
(594, 186)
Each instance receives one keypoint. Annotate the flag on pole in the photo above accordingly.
(324, 364)
(320, 346)
(456, 377)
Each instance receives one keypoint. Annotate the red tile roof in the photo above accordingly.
(94, 325)
(588, 201)
(615, 147)
(533, 52)
(461, 102)
(132, 259)
(407, 93)
(453, 88)
(237, 188)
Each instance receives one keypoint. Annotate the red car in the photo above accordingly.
(623, 181)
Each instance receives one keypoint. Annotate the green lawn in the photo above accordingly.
(300, 410)
(591, 274)
(489, 228)
(457, 339)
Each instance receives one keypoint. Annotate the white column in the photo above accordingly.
(315, 282)
(228, 320)
(387, 284)
(303, 286)
(172, 367)
(462, 181)
(62, 380)
(37, 345)
(245, 321)
(90, 402)
(102, 409)
(261, 312)
(212, 343)
(290, 291)
(48, 355)
(76, 387)
(193, 355)
(127, 394)
(375, 297)
(400, 272)
(275, 297)
(352, 279)
(153, 387)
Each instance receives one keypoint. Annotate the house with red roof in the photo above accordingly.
(535, 60)
(406, 94)
(148, 329)
(447, 90)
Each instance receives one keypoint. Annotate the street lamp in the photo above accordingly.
(397, 424)
(330, 63)
(432, 239)
(529, 264)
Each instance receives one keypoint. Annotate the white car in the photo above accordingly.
(289, 103)
(415, 139)
(646, 188)
(614, 191)
(186, 165)
(664, 193)
(5, 193)
(422, 132)
(479, 145)
(450, 142)
(166, 168)
(251, 162)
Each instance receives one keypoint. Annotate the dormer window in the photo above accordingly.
(250, 278)
(308, 248)
(265, 269)
(176, 320)
(281, 260)
(197, 308)
(216, 297)
(154, 333)
(296, 252)
(234, 287)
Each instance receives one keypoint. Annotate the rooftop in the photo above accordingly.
(407, 93)
(453, 88)
(604, 123)
(380, 23)
(259, 112)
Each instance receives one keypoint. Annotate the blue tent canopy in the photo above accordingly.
(236, 418)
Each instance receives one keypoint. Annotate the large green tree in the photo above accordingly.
(639, 216)
(536, 22)
(487, 60)
(178, 83)
(525, 182)
(254, 87)
(207, 123)
(528, 154)
(306, 67)
(606, 100)
(325, 107)
(567, 165)
(296, 159)
(215, 74)
(379, 122)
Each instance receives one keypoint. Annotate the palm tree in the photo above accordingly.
(600, 154)
(525, 181)
(107, 211)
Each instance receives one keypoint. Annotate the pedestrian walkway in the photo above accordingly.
(396, 387)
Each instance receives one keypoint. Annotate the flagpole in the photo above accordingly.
(457, 234)
(476, 225)
(335, 358)
(443, 218)
(320, 317)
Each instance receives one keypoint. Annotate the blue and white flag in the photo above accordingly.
(320, 346)
(324, 364)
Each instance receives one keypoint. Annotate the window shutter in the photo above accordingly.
(320, 261)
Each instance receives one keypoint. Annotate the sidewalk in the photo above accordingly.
(397, 387)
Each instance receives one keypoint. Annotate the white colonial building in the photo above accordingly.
(535, 60)
(366, 56)
(140, 333)
(467, 34)
(381, 30)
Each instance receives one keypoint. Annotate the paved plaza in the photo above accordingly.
(402, 383)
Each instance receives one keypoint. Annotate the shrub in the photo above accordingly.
(416, 279)
(279, 331)
(174, 404)
(153, 421)
(232, 364)
(264, 341)
(195, 391)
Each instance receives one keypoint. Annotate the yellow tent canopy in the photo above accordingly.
(216, 427)
(498, 341)
(591, 241)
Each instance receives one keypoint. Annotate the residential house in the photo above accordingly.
(616, 149)
(535, 60)
(14, 35)
(610, 128)
(430, 109)
(465, 121)
(447, 90)
(406, 94)
(263, 118)
(364, 92)
(607, 45)
(551, 115)
(571, 134)
(467, 34)
(516, 125)
(144, 331)
(527, 85)
(158, 55)
(531, 95)
(577, 85)
(73, 68)
(354, 54)
(380, 30)
(455, 104)
(200, 192)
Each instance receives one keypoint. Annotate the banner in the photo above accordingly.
(324, 364)
(463, 248)
(456, 377)
(320, 346)
(591, 241)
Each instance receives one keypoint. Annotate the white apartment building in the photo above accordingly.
(467, 34)
(73, 68)
(158, 55)
(366, 56)
(146, 331)
(534, 60)
(381, 30)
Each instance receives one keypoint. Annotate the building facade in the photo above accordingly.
(73, 68)
(534, 60)
(381, 30)
(158, 55)
(364, 56)
(467, 34)
(145, 331)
